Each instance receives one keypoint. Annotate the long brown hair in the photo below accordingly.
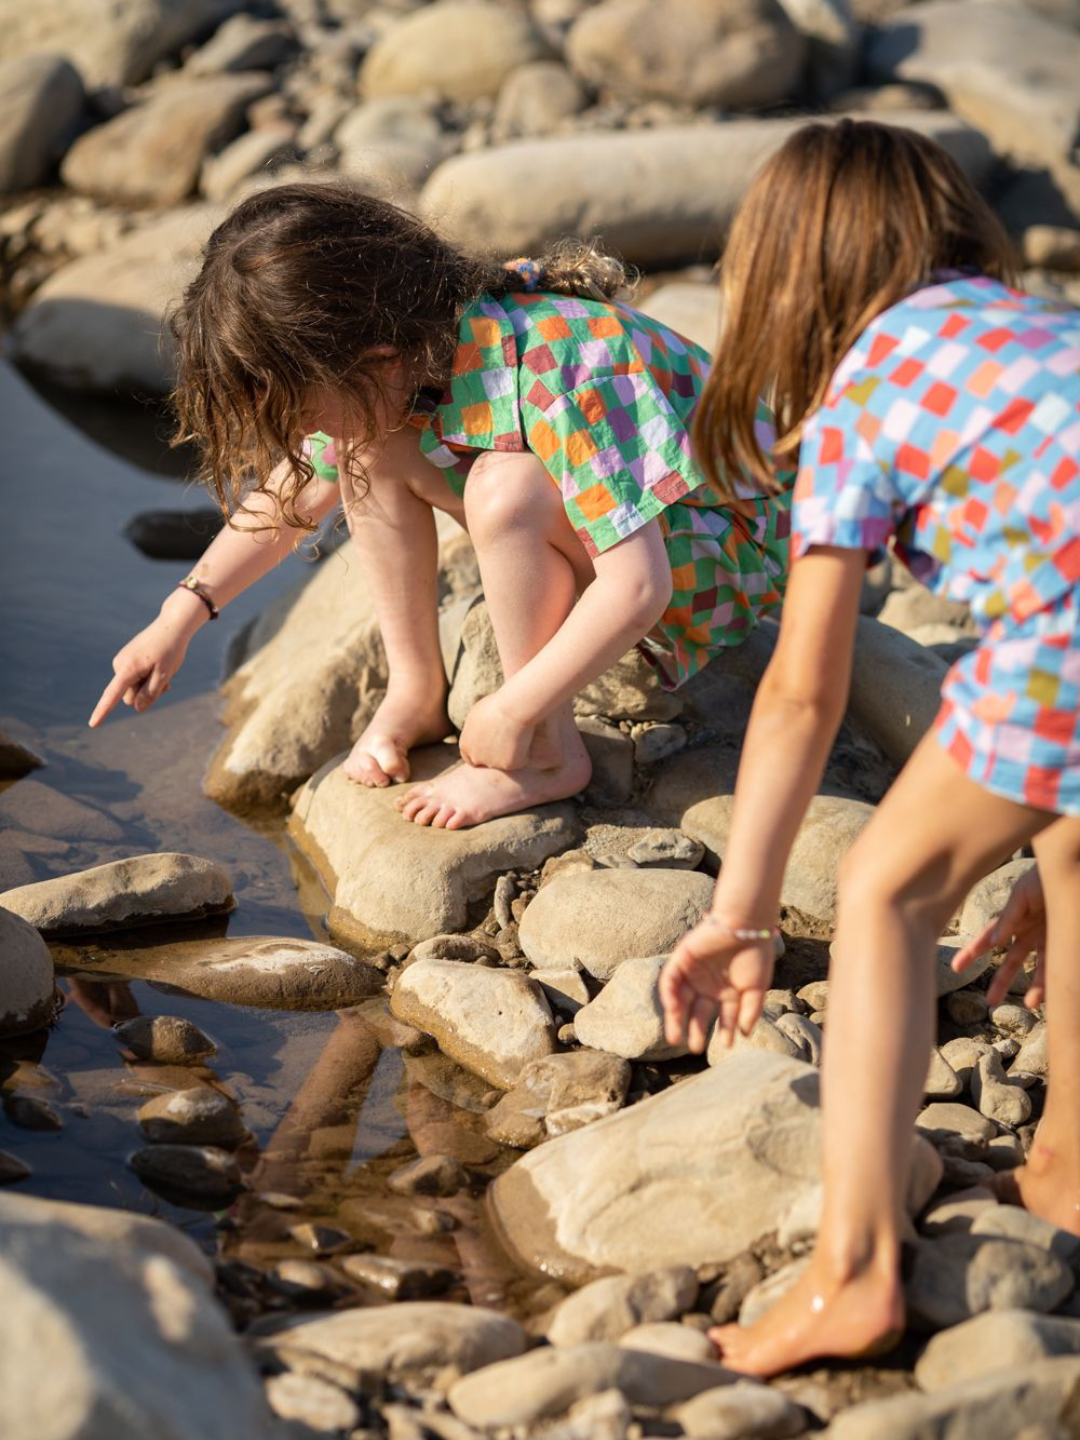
(840, 224)
(319, 285)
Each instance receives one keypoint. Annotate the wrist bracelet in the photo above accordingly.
(190, 583)
(742, 932)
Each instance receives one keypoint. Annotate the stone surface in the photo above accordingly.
(997, 1340)
(263, 971)
(996, 1098)
(667, 1337)
(690, 308)
(412, 1341)
(604, 917)
(461, 49)
(398, 881)
(41, 104)
(121, 1305)
(26, 977)
(946, 979)
(315, 1402)
(243, 43)
(743, 1411)
(199, 1116)
(626, 1018)
(557, 1094)
(110, 42)
(535, 98)
(942, 1081)
(203, 1172)
(956, 1276)
(1001, 66)
(986, 900)
(545, 1383)
(251, 154)
(492, 1021)
(895, 688)
(142, 890)
(97, 324)
(634, 187)
(165, 1039)
(739, 56)
(1012, 1222)
(16, 760)
(151, 154)
(607, 1309)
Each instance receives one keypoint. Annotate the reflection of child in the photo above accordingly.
(932, 404)
(322, 310)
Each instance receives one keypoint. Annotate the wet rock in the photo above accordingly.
(16, 760)
(1034, 1400)
(313, 1401)
(268, 973)
(956, 1276)
(996, 1098)
(1013, 75)
(606, 1309)
(31, 1113)
(409, 882)
(545, 1383)
(125, 1303)
(689, 51)
(557, 1094)
(97, 323)
(535, 98)
(203, 1172)
(986, 900)
(743, 1411)
(430, 1175)
(461, 49)
(12, 1169)
(626, 1018)
(491, 1021)
(637, 189)
(199, 1116)
(413, 1341)
(994, 1341)
(166, 1039)
(151, 154)
(41, 104)
(606, 917)
(38, 809)
(309, 1282)
(399, 1279)
(27, 987)
(142, 890)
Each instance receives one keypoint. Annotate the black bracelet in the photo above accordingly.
(190, 583)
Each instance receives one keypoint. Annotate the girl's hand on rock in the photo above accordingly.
(1022, 927)
(146, 665)
(493, 738)
(712, 974)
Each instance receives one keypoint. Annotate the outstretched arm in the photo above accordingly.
(799, 706)
(238, 556)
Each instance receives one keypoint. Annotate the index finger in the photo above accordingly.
(109, 697)
(978, 945)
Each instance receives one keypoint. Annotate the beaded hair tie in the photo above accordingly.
(531, 271)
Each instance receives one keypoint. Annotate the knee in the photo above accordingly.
(506, 492)
(876, 878)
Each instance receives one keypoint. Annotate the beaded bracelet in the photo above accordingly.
(742, 932)
(190, 583)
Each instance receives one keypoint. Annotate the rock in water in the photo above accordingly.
(137, 1346)
(16, 760)
(199, 1116)
(139, 891)
(394, 881)
(491, 1021)
(26, 977)
(201, 1172)
(165, 1039)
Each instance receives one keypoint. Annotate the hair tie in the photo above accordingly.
(529, 270)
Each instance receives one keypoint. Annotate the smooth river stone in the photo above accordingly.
(26, 977)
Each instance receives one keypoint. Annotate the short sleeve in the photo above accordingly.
(320, 450)
(844, 494)
(618, 452)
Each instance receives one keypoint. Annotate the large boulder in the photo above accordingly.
(739, 55)
(152, 153)
(41, 104)
(97, 323)
(26, 977)
(460, 49)
(143, 890)
(1001, 66)
(392, 880)
(895, 688)
(634, 188)
(110, 42)
(136, 1344)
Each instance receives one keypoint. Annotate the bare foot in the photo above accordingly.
(819, 1316)
(469, 794)
(379, 757)
(1043, 1187)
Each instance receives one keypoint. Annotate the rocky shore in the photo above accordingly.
(498, 1203)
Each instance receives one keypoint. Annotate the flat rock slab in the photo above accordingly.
(394, 881)
(413, 1340)
(693, 1175)
(143, 890)
(262, 971)
(492, 1021)
(601, 918)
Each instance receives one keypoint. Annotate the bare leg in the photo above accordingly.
(933, 836)
(532, 565)
(1049, 1184)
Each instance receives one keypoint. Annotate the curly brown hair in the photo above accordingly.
(840, 224)
(320, 285)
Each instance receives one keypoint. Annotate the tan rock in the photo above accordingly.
(27, 988)
(41, 103)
